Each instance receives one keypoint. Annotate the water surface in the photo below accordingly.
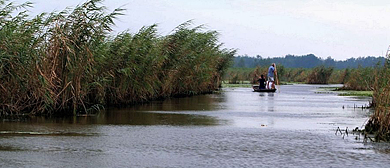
(294, 127)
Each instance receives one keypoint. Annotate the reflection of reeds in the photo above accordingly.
(66, 61)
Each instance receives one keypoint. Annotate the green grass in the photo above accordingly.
(245, 85)
(345, 92)
(291, 83)
(356, 93)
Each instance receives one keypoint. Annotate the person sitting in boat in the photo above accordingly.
(261, 82)
(271, 76)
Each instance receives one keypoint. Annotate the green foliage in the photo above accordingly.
(66, 62)
(306, 61)
(358, 79)
(320, 75)
(239, 75)
(379, 123)
(295, 75)
(353, 79)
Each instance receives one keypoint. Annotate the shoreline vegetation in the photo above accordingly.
(67, 63)
(358, 79)
(379, 123)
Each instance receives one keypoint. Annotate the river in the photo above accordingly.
(294, 127)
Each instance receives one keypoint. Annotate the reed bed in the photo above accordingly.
(67, 63)
(320, 75)
(360, 79)
(379, 123)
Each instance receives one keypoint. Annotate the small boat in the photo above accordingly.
(256, 89)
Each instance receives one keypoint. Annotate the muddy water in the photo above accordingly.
(294, 127)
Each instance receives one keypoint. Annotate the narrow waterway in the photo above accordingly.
(294, 127)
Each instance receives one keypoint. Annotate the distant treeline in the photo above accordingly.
(68, 63)
(306, 61)
(352, 78)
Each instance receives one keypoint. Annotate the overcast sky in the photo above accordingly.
(337, 28)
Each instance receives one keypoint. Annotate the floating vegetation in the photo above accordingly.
(356, 93)
(245, 84)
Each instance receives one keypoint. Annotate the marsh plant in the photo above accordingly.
(355, 79)
(320, 75)
(379, 123)
(68, 62)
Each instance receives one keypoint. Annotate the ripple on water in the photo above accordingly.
(19, 133)
(236, 128)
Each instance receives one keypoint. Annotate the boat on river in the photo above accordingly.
(256, 89)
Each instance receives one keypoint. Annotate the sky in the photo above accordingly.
(270, 28)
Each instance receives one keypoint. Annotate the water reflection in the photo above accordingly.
(112, 116)
(235, 128)
(127, 116)
(270, 102)
(174, 111)
(9, 148)
(194, 103)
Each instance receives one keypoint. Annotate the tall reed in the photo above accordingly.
(379, 123)
(20, 46)
(358, 79)
(68, 63)
(320, 75)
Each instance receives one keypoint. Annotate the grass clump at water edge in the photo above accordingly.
(356, 93)
(245, 84)
(379, 123)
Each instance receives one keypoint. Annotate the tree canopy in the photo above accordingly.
(306, 61)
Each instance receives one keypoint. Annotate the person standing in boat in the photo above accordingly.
(261, 82)
(271, 76)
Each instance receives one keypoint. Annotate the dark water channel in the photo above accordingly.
(235, 128)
